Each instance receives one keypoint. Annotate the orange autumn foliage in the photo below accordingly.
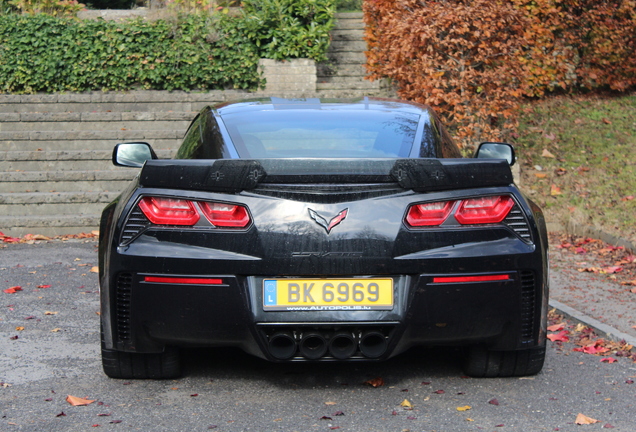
(475, 60)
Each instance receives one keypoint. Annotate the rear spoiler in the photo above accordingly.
(236, 175)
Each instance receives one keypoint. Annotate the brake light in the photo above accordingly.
(226, 215)
(429, 214)
(463, 279)
(169, 211)
(483, 210)
(183, 280)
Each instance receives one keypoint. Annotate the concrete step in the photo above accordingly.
(96, 116)
(62, 160)
(348, 46)
(117, 135)
(26, 198)
(91, 126)
(80, 145)
(351, 70)
(66, 181)
(49, 209)
(133, 101)
(346, 85)
(347, 35)
(49, 225)
(343, 58)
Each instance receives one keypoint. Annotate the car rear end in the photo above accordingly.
(324, 259)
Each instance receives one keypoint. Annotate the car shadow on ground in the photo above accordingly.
(230, 364)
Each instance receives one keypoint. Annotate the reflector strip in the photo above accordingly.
(185, 281)
(460, 279)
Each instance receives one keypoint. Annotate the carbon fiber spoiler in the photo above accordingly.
(236, 175)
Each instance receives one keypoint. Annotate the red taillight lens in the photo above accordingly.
(483, 210)
(463, 279)
(429, 214)
(226, 215)
(169, 211)
(183, 280)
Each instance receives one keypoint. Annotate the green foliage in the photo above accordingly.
(42, 53)
(284, 29)
(39, 53)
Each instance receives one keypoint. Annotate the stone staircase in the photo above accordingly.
(56, 173)
(343, 75)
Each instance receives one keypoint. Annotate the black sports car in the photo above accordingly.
(309, 230)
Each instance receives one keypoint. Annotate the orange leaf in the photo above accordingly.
(582, 419)
(608, 360)
(13, 290)
(561, 336)
(375, 382)
(556, 327)
(555, 190)
(75, 401)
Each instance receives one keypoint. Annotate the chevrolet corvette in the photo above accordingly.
(321, 230)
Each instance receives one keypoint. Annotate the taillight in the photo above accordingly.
(429, 214)
(226, 215)
(483, 210)
(169, 211)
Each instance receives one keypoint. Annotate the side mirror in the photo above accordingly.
(132, 155)
(494, 150)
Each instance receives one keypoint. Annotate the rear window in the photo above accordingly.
(322, 133)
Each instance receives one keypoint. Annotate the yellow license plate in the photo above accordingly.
(327, 294)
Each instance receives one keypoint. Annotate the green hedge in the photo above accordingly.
(39, 53)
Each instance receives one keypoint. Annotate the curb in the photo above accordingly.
(608, 331)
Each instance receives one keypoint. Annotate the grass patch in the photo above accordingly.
(578, 161)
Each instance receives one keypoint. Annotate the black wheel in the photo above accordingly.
(119, 364)
(481, 362)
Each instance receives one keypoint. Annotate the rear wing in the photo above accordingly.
(236, 175)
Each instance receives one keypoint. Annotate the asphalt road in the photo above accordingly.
(56, 354)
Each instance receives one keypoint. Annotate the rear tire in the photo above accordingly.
(481, 362)
(120, 364)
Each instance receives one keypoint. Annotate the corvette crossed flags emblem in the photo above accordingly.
(328, 226)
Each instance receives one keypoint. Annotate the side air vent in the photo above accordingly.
(327, 193)
(135, 224)
(518, 223)
(122, 305)
(528, 301)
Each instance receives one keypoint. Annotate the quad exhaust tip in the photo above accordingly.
(314, 345)
(373, 344)
(282, 346)
(342, 346)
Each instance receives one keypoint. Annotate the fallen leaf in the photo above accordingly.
(562, 336)
(19, 328)
(406, 404)
(44, 286)
(556, 327)
(608, 360)
(606, 121)
(463, 408)
(50, 313)
(555, 190)
(493, 402)
(13, 290)
(330, 403)
(94, 269)
(76, 401)
(582, 419)
(540, 175)
(375, 382)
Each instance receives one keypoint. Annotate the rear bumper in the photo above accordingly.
(146, 316)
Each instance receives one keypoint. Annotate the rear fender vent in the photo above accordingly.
(122, 306)
(517, 222)
(528, 301)
(327, 193)
(136, 223)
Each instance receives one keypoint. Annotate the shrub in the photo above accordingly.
(284, 29)
(475, 60)
(41, 53)
(59, 8)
